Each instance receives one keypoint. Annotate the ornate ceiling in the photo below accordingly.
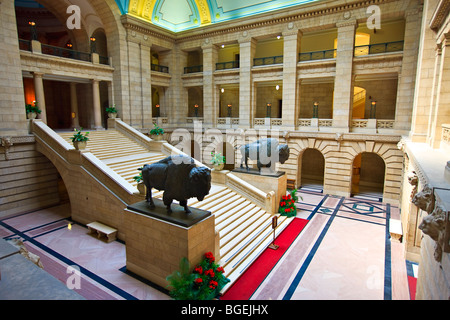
(179, 15)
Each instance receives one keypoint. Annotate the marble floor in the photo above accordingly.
(343, 253)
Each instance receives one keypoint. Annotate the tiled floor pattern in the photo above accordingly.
(344, 252)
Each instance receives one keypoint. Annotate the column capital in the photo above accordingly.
(38, 74)
(346, 23)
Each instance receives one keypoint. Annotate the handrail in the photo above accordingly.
(317, 55)
(267, 60)
(227, 65)
(159, 68)
(50, 140)
(65, 53)
(375, 48)
(193, 69)
(261, 198)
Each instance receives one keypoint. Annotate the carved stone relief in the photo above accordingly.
(435, 224)
(424, 199)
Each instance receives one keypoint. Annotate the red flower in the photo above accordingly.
(210, 272)
(220, 269)
(198, 281)
(209, 256)
(286, 210)
(282, 203)
(198, 270)
(213, 284)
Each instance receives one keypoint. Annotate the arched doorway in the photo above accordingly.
(312, 170)
(368, 176)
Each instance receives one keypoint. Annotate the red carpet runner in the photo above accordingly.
(247, 284)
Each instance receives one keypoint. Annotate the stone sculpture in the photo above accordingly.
(433, 225)
(424, 199)
(266, 152)
(180, 179)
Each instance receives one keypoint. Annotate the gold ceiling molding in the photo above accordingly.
(134, 20)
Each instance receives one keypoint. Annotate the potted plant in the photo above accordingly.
(140, 183)
(156, 133)
(287, 204)
(217, 160)
(112, 111)
(204, 282)
(32, 111)
(79, 139)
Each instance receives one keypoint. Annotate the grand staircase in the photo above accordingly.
(245, 228)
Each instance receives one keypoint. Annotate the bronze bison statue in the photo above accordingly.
(180, 179)
(266, 152)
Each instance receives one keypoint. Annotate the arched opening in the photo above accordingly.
(312, 170)
(368, 176)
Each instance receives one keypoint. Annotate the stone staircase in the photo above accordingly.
(245, 228)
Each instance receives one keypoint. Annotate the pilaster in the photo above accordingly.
(405, 89)
(291, 43)
(247, 47)
(343, 86)
(210, 98)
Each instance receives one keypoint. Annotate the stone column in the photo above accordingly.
(74, 105)
(406, 78)
(343, 84)
(40, 96)
(247, 47)
(176, 102)
(441, 108)
(210, 95)
(96, 105)
(291, 40)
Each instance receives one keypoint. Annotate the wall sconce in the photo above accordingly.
(93, 46)
(157, 110)
(229, 110)
(277, 87)
(269, 110)
(373, 109)
(32, 25)
(222, 90)
(278, 37)
(316, 110)
(196, 109)
(69, 45)
(74, 115)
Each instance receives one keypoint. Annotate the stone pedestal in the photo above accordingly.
(265, 180)
(156, 241)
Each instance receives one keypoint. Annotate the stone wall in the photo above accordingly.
(29, 181)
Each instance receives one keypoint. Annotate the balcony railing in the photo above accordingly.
(378, 48)
(193, 69)
(267, 60)
(25, 45)
(159, 68)
(317, 55)
(65, 53)
(227, 65)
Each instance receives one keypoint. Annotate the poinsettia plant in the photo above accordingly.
(204, 282)
(287, 204)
